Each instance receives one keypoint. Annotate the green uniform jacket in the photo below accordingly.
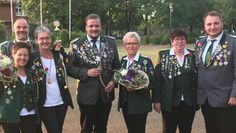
(5, 47)
(172, 80)
(40, 77)
(139, 101)
(10, 99)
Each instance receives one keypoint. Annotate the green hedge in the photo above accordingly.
(3, 31)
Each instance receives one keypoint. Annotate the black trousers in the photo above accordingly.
(27, 125)
(136, 123)
(219, 119)
(181, 116)
(39, 127)
(53, 118)
(93, 118)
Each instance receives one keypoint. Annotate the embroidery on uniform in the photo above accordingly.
(170, 66)
(221, 53)
(104, 57)
(38, 71)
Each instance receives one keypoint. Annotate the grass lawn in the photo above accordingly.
(150, 51)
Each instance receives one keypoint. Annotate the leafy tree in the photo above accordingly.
(3, 31)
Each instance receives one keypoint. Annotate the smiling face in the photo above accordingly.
(131, 45)
(179, 43)
(93, 28)
(44, 41)
(213, 26)
(21, 30)
(21, 57)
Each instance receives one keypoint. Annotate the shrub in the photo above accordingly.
(74, 35)
(64, 36)
(155, 39)
(3, 31)
(146, 40)
(164, 39)
(32, 27)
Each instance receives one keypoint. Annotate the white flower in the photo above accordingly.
(124, 72)
(98, 59)
(5, 62)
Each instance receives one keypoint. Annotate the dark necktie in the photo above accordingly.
(209, 52)
(95, 49)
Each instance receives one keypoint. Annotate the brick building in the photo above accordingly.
(5, 12)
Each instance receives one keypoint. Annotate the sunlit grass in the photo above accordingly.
(150, 51)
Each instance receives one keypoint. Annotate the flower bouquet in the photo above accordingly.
(7, 70)
(131, 78)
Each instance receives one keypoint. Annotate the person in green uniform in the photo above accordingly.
(18, 98)
(136, 104)
(175, 81)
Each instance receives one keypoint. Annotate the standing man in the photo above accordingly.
(21, 31)
(216, 59)
(93, 61)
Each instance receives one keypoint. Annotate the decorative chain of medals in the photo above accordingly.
(170, 66)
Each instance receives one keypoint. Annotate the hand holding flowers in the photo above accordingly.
(132, 78)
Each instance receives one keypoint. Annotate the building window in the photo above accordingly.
(19, 10)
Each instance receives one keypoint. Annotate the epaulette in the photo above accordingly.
(234, 36)
(144, 56)
(201, 37)
(3, 43)
(113, 38)
(75, 40)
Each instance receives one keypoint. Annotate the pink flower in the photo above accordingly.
(46, 69)
(190, 54)
(199, 43)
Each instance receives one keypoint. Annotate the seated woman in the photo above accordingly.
(18, 97)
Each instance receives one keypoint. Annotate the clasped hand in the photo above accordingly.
(94, 72)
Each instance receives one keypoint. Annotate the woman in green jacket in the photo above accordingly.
(18, 109)
(136, 104)
(175, 78)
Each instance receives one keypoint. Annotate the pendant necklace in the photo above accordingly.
(49, 73)
(49, 80)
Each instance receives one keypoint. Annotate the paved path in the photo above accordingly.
(116, 122)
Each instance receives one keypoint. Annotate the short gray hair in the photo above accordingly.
(131, 34)
(42, 29)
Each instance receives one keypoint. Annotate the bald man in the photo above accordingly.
(21, 32)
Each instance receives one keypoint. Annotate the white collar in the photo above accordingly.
(22, 41)
(173, 53)
(136, 57)
(90, 39)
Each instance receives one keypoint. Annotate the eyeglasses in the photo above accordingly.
(131, 44)
(179, 39)
(44, 38)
